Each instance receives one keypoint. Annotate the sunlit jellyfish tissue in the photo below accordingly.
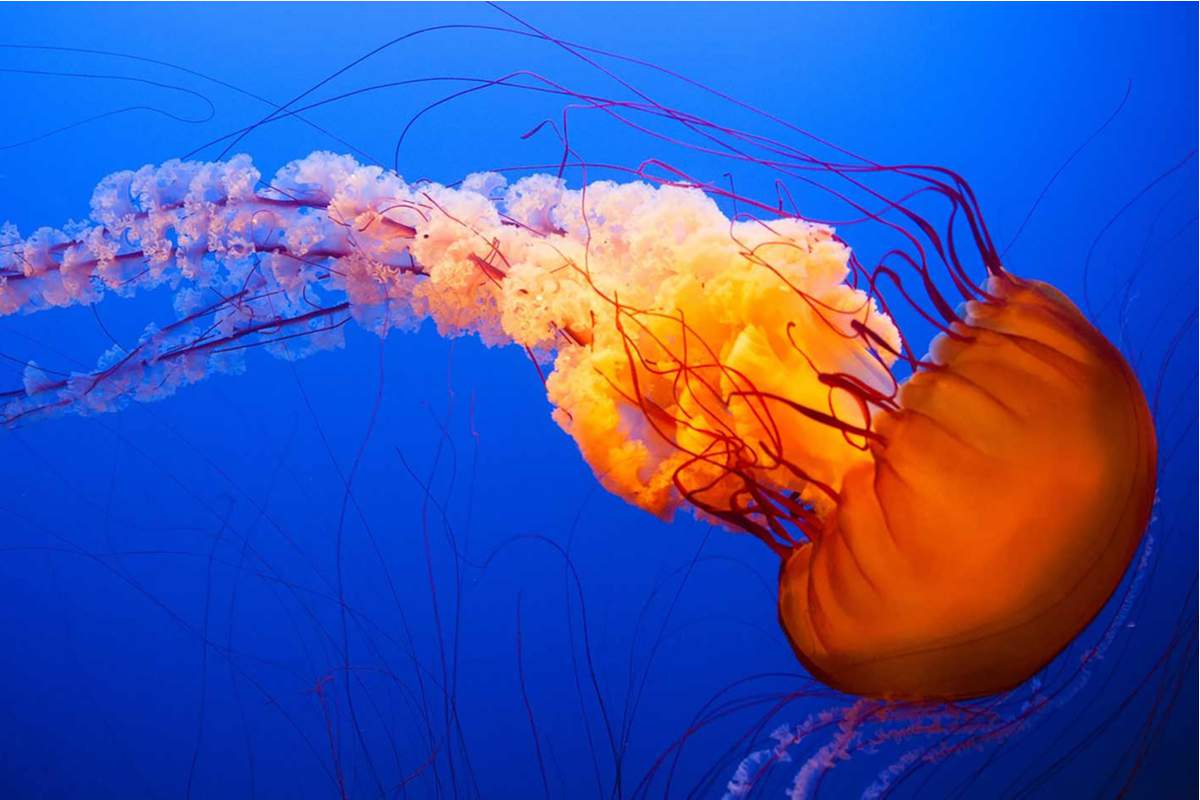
(959, 474)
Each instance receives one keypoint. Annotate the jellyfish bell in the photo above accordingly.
(1004, 501)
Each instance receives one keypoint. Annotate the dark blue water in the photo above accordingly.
(169, 574)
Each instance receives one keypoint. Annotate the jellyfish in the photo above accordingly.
(946, 524)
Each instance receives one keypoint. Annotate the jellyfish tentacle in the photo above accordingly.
(673, 399)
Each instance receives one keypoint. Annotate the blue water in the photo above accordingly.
(168, 574)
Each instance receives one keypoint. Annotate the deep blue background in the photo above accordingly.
(123, 538)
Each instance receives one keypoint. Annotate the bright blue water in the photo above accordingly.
(169, 607)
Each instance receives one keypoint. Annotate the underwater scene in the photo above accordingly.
(614, 400)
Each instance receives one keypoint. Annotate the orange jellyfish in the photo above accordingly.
(943, 536)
